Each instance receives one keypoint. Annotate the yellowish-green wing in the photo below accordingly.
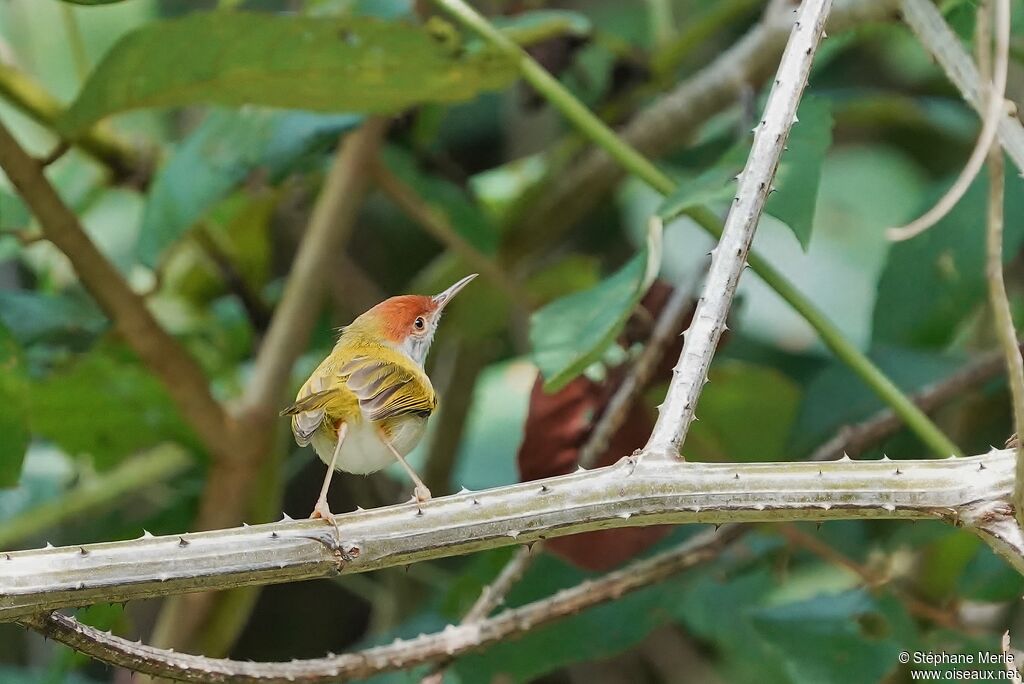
(386, 389)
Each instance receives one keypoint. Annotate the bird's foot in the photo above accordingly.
(1013, 442)
(421, 494)
(322, 510)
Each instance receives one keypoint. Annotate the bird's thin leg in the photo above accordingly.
(322, 510)
(421, 492)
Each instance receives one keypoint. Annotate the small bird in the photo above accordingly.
(368, 402)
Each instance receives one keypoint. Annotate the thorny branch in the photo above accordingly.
(969, 491)
(729, 257)
(987, 515)
(453, 641)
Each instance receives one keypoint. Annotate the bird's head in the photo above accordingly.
(409, 321)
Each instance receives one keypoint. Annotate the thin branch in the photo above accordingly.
(145, 470)
(125, 163)
(938, 39)
(494, 594)
(454, 640)
(186, 384)
(995, 110)
(855, 439)
(728, 258)
(971, 491)
(1001, 314)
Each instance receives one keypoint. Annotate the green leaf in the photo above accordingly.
(14, 387)
(936, 280)
(836, 639)
(35, 317)
(218, 155)
(796, 179)
(106, 406)
(355, 64)
(90, 3)
(570, 333)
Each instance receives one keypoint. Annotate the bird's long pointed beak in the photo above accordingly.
(443, 298)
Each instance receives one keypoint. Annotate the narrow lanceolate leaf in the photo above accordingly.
(796, 180)
(356, 64)
(570, 333)
(14, 433)
(218, 155)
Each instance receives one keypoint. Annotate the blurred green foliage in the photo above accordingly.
(238, 104)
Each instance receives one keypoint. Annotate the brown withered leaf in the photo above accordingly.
(559, 424)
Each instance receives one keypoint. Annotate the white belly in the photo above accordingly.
(363, 451)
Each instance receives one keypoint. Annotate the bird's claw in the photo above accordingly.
(421, 494)
(322, 511)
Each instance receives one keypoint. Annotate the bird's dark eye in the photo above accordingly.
(420, 323)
